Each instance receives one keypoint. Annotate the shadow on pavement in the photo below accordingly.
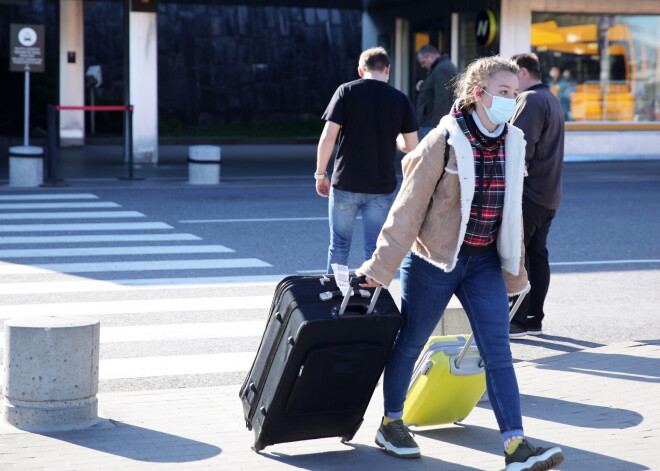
(137, 443)
(575, 414)
(364, 457)
(481, 438)
(555, 342)
(608, 365)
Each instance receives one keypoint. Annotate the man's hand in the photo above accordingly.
(419, 85)
(323, 187)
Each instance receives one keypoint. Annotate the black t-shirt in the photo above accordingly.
(371, 114)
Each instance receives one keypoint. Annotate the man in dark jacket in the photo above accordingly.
(539, 114)
(434, 97)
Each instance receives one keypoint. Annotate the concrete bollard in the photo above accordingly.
(204, 165)
(51, 373)
(26, 166)
(454, 321)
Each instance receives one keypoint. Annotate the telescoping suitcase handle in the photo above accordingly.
(355, 281)
(468, 342)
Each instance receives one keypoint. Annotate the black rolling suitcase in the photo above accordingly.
(319, 361)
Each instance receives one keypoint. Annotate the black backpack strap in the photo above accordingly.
(446, 154)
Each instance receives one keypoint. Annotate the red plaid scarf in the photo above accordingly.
(489, 182)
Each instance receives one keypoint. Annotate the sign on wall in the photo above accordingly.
(26, 48)
(485, 27)
(144, 5)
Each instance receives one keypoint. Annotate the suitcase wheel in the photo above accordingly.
(258, 446)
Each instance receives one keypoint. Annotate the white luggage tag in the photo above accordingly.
(341, 278)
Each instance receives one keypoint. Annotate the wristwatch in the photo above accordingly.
(320, 176)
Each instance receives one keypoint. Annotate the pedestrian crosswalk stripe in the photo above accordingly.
(101, 226)
(211, 280)
(112, 251)
(72, 215)
(68, 205)
(175, 365)
(96, 267)
(49, 196)
(205, 330)
(136, 306)
(138, 284)
(66, 239)
(176, 332)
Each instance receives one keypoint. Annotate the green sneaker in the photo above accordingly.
(397, 441)
(528, 457)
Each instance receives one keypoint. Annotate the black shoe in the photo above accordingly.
(516, 332)
(395, 438)
(528, 457)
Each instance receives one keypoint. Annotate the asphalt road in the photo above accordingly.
(604, 250)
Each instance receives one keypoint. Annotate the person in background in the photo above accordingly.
(434, 98)
(371, 119)
(565, 86)
(540, 116)
(457, 220)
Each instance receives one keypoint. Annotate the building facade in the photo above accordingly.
(208, 61)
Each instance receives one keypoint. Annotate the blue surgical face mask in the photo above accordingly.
(501, 109)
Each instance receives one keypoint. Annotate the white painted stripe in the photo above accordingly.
(175, 365)
(100, 204)
(604, 262)
(111, 251)
(138, 306)
(14, 269)
(159, 333)
(49, 196)
(208, 281)
(101, 226)
(73, 215)
(65, 239)
(139, 284)
(206, 330)
(195, 221)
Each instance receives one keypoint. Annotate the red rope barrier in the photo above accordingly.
(95, 108)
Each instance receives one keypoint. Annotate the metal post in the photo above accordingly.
(92, 114)
(26, 115)
(52, 149)
(130, 142)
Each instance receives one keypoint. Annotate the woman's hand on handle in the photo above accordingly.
(370, 283)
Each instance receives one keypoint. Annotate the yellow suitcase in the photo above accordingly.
(440, 392)
(448, 380)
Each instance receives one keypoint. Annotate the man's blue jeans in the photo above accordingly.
(425, 292)
(344, 207)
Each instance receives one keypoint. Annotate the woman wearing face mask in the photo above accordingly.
(460, 215)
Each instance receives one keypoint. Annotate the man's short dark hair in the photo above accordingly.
(427, 49)
(529, 61)
(374, 59)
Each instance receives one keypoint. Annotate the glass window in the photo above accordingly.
(602, 67)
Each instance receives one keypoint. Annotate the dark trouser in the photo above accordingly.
(537, 220)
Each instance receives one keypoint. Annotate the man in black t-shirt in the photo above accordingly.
(371, 119)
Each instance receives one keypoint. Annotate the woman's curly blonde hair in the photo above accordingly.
(476, 75)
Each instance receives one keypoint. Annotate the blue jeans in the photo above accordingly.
(344, 207)
(423, 131)
(425, 292)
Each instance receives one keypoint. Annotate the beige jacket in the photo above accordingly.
(430, 215)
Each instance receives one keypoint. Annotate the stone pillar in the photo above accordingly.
(51, 373)
(26, 166)
(454, 321)
(72, 72)
(144, 86)
(515, 27)
(204, 165)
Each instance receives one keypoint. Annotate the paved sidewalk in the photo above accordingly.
(601, 405)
